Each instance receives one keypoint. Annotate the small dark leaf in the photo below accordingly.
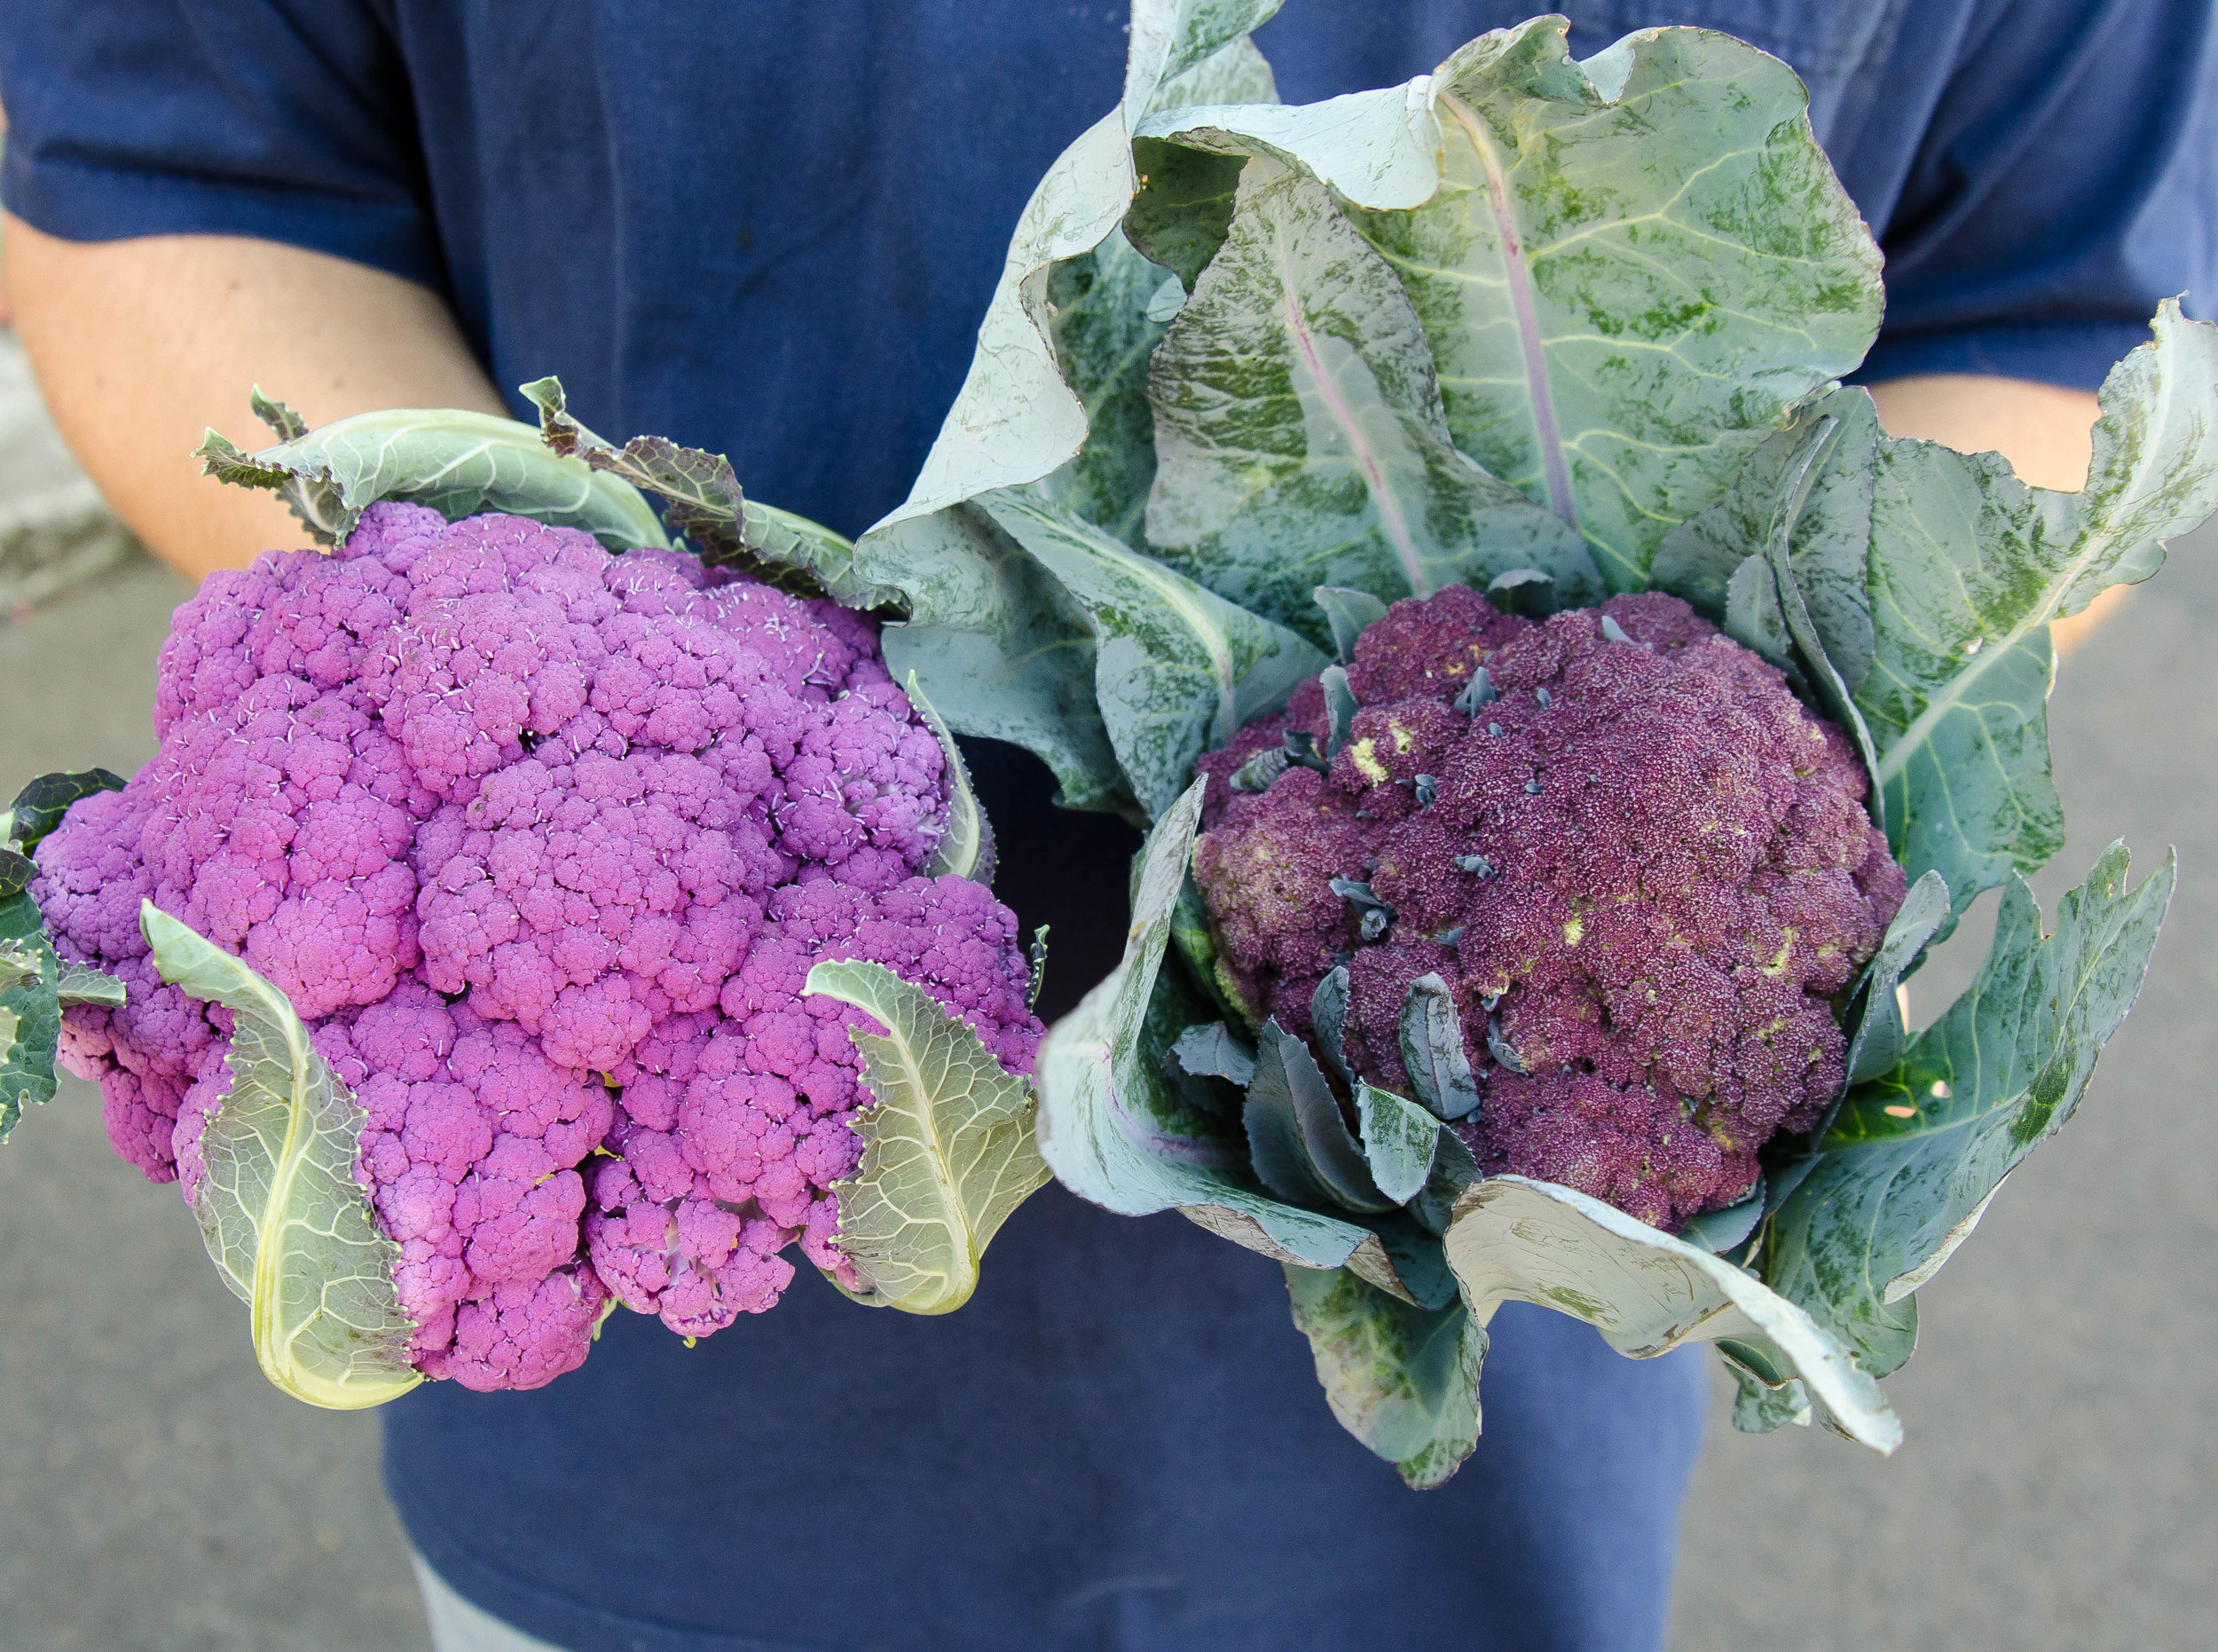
(1526, 591)
(1349, 613)
(1454, 1170)
(1717, 1231)
(1258, 771)
(1328, 1019)
(1500, 1048)
(1479, 691)
(1400, 1141)
(1289, 1105)
(1039, 960)
(17, 873)
(39, 806)
(1340, 709)
(1214, 1051)
(30, 1011)
(1431, 1036)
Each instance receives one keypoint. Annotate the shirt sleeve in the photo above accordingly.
(2066, 181)
(284, 120)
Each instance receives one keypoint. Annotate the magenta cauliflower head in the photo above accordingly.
(541, 843)
(1643, 868)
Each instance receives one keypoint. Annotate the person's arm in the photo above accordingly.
(142, 344)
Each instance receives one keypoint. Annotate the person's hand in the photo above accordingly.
(141, 345)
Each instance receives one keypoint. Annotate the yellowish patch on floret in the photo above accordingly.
(1777, 967)
(1573, 929)
(1363, 755)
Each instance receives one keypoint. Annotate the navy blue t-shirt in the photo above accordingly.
(770, 227)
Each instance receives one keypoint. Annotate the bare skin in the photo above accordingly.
(141, 344)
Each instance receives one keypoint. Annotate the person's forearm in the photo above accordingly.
(140, 345)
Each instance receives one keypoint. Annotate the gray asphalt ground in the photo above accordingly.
(2055, 1491)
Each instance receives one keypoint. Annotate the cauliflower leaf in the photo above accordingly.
(1102, 1102)
(1914, 1156)
(1403, 1379)
(1299, 433)
(1968, 567)
(948, 1149)
(1512, 1239)
(30, 1009)
(456, 461)
(284, 1220)
(1178, 669)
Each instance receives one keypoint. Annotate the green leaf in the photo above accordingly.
(1968, 567)
(30, 1011)
(1400, 1141)
(1761, 1402)
(1014, 420)
(946, 1148)
(80, 983)
(283, 1218)
(1209, 1050)
(1877, 1044)
(1183, 207)
(1829, 547)
(1913, 1157)
(1372, 148)
(1007, 654)
(1431, 1035)
(1298, 1141)
(1646, 1292)
(1402, 1379)
(966, 840)
(1100, 303)
(996, 641)
(1103, 1104)
(705, 503)
(1299, 435)
(1350, 614)
(1719, 1231)
(39, 806)
(1632, 268)
(1178, 669)
(457, 462)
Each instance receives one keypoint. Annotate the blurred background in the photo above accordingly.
(2056, 1491)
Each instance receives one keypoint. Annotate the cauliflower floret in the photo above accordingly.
(1645, 871)
(541, 843)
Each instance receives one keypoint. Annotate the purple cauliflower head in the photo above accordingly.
(541, 843)
(1644, 870)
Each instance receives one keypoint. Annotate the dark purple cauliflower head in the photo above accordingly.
(541, 842)
(1644, 868)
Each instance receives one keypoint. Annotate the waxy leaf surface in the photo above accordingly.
(1178, 669)
(284, 1220)
(1632, 269)
(459, 463)
(1512, 1239)
(947, 1146)
(1299, 435)
(1968, 567)
(1913, 1157)
(1403, 1379)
